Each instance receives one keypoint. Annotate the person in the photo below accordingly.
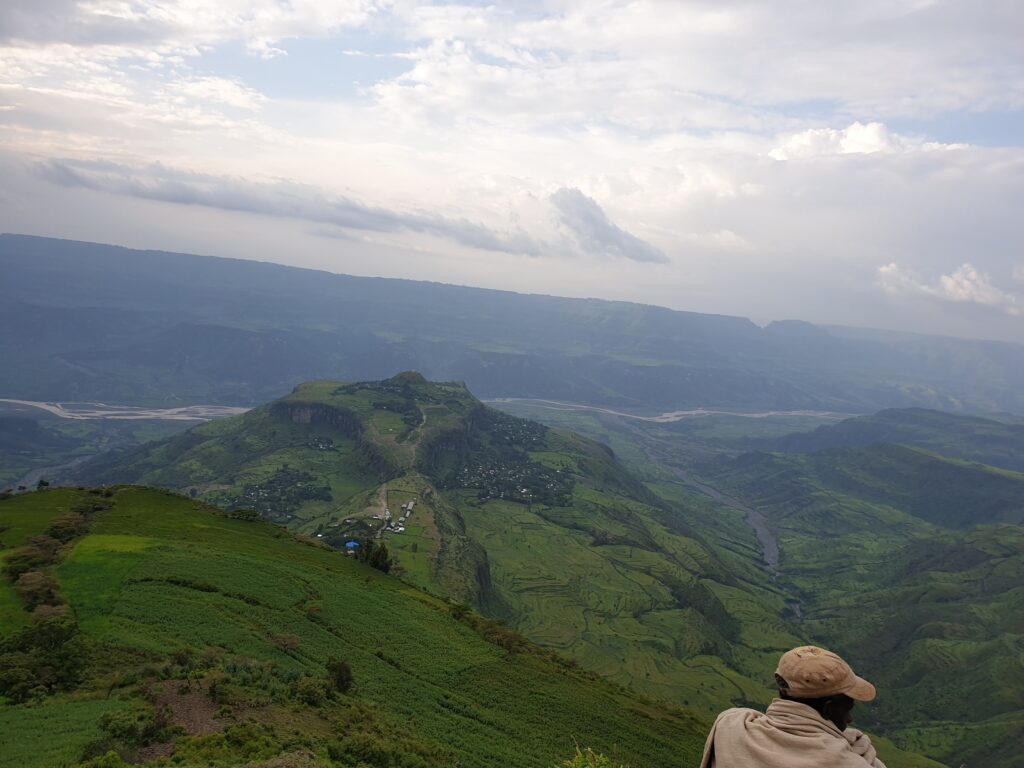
(806, 727)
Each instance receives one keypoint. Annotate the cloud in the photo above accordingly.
(220, 91)
(965, 285)
(596, 233)
(858, 138)
(280, 199)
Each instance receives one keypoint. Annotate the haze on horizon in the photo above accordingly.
(855, 163)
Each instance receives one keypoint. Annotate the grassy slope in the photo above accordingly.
(158, 572)
(664, 595)
(932, 616)
(935, 613)
(611, 575)
(29, 517)
(964, 437)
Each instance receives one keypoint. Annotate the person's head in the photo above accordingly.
(822, 681)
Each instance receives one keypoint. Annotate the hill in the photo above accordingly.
(166, 628)
(915, 562)
(900, 557)
(84, 321)
(971, 438)
(539, 527)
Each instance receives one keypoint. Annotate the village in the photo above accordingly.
(390, 524)
(513, 479)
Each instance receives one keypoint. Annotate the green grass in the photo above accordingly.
(158, 572)
(29, 517)
(52, 734)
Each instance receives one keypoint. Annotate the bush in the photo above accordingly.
(40, 551)
(340, 674)
(36, 588)
(109, 760)
(68, 527)
(311, 691)
(46, 656)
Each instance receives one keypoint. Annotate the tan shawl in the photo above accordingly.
(788, 735)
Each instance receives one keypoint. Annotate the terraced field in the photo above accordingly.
(163, 588)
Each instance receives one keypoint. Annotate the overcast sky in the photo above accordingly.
(856, 162)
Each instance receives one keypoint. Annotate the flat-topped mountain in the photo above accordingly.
(90, 322)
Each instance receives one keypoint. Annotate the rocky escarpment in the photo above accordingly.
(300, 412)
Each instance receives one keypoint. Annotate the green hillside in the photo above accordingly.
(171, 627)
(650, 584)
(915, 563)
(539, 527)
(891, 554)
(948, 492)
(971, 438)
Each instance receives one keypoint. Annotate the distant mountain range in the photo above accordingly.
(93, 322)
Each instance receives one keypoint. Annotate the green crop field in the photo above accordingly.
(157, 573)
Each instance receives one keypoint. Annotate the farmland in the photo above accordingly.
(165, 589)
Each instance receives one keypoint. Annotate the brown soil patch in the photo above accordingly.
(191, 709)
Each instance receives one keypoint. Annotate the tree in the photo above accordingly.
(340, 674)
(375, 555)
(36, 588)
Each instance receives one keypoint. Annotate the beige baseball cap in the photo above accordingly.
(812, 673)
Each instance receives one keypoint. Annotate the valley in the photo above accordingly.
(661, 506)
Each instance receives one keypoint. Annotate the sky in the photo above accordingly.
(856, 163)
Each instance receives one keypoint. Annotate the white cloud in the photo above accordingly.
(220, 91)
(854, 139)
(965, 285)
(595, 233)
(662, 122)
(280, 199)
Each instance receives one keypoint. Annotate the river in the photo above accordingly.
(668, 416)
(129, 412)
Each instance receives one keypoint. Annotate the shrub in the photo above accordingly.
(68, 527)
(109, 760)
(48, 655)
(340, 674)
(310, 690)
(36, 588)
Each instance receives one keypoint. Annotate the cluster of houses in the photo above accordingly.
(396, 526)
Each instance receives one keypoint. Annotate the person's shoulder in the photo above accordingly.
(737, 714)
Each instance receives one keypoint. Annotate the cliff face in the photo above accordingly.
(318, 413)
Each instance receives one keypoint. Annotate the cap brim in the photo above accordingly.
(861, 690)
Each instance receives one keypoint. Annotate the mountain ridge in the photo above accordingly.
(92, 322)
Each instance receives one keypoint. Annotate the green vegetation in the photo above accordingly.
(535, 526)
(934, 614)
(963, 437)
(657, 584)
(893, 555)
(230, 642)
(32, 444)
